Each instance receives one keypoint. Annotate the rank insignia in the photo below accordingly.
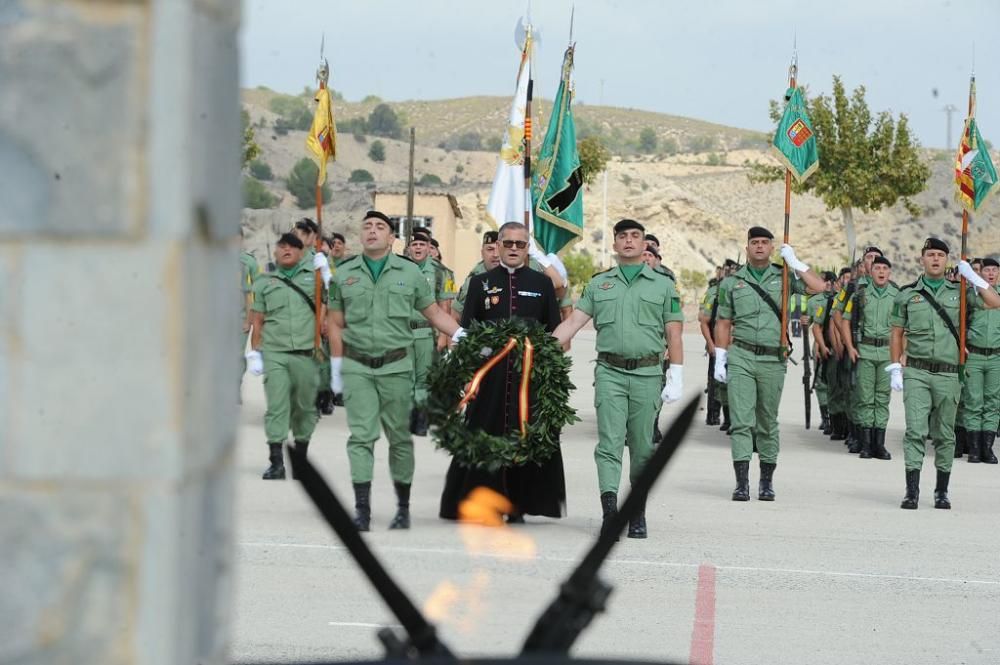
(917, 299)
(350, 281)
(495, 300)
(606, 285)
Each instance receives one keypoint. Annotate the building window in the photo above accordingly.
(419, 222)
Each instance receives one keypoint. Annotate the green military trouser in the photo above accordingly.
(820, 387)
(755, 385)
(626, 405)
(721, 393)
(873, 392)
(980, 408)
(836, 386)
(290, 382)
(324, 367)
(423, 356)
(931, 401)
(371, 399)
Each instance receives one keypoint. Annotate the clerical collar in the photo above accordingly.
(510, 270)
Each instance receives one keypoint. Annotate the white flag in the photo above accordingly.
(509, 199)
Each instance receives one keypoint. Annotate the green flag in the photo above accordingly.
(975, 176)
(795, 141)
(557, 183)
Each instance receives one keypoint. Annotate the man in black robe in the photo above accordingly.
(510, 290)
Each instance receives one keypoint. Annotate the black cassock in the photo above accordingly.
(533, 489)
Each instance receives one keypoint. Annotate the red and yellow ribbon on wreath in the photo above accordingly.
(523, 397)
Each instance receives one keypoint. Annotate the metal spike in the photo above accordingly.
(572, 15)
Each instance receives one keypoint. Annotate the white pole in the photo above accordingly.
(604, 224)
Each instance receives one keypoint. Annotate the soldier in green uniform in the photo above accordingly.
(490, 259)
(635, 310)
(371, 301)
(873, 304)
(838, 385)
(925, 317)
(338, 249)
(706, 312)
(750, 355)
(818, 307)
(980, 405)
(282, 350)
(424, 337)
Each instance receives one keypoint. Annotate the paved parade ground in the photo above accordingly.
(831, 572)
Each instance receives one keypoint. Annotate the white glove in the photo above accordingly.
(966, 271)
(537, 255)
(720, 365)
(336, 381)
(788, 254)
(896, 374)
(675, 384)
(559, 266)
(320, 263)
(255, 362)
(459, 334)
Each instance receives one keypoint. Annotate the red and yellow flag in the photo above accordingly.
(322, 139)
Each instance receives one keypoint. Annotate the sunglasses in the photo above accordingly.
(520, 244)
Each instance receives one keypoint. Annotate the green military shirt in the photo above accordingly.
(630, 318)
(708, 301)
(927, 335)
(841, 300)
(337, 262)
(817, 309)
(289, 323)
(249, 269)
(876, 309)
(377, 314)
(984, 324)
(754, 321)
(443, 289)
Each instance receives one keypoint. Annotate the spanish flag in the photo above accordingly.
(322, 139)
(975, 175)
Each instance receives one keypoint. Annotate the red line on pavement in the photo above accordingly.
(703, 634)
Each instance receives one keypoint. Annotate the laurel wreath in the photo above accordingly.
(550, 389)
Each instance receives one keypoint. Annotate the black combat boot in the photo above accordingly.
(824, 423)
(853, 441)
(338, 399)
(277, 469)
(609, 506)
(637, 525)
(402, 518)
(363, 506)
(986, 447)
(960, 439)
(726, 425)
(912, 490)
(971, 446)
(712, 412)
(765, 488)
(303, 447)
(941, 491)
(742, 491)
(326, 402)
(839, 432)
(878, 445)
(418, 421)
(867, 442)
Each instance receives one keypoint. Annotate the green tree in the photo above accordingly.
(250, 147)
(470, 141)
(260, 170)
(302, 183)
(256, 196)
(865, 163)
(371, 99)
(494, 143)
(594, 157)
(669, 146)
(647, 140)
(701, 143)
(429, 180)
(360, 175)
(580, 267)
(383, 121)
(377, 151)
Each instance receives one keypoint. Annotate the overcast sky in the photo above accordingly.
(716, 60)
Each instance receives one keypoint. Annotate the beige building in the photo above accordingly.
(440, 213)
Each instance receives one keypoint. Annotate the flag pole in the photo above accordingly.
(962, 303)
(785, 342)
(322, 75)
(527, 132)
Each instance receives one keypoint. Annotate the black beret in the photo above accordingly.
(419, 235)
(375, 214)
(872, 248)
(990, 263)
(490, 237)
(845, 271)
(651, 238)
(435, 243)
(729, 263)
(652, 250)
(626, 224)
(291, 239)
(829, 276)
(338, 236)
(975, 261)
(881, 261)
(935, 243)
(306, 224)
(759, 232)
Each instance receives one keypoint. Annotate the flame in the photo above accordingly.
(484, 507)
(460, 607)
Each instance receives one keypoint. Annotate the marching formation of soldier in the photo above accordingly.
(386, 317)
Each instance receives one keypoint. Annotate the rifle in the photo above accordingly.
(806, 385)
(857, 317)
(712, 387)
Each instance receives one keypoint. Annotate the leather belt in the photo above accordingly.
(417, 325)
(378, 361)
(622, 362)
(760, 350)
(875, 341)
(928, 366)
(981, 351)
(300, 352)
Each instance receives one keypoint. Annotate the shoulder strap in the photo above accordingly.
(766, 298)
(294, 286)
(940, 310)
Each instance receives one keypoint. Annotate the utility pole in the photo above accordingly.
(409, 189)
(949, 110)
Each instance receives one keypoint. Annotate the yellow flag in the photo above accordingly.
(322, 139)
